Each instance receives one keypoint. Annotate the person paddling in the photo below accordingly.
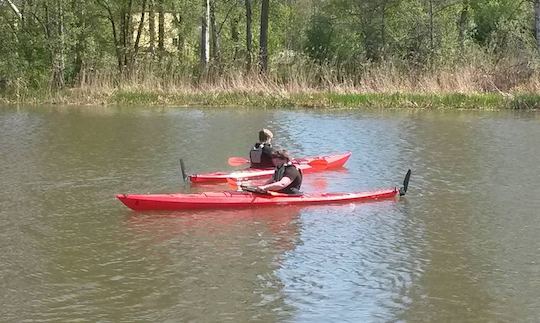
(261, 154)
(286, 179)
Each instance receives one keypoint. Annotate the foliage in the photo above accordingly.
(74, 43)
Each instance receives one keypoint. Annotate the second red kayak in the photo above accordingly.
(330, 162)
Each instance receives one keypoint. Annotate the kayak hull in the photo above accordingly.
(234, 199)
(334, 162)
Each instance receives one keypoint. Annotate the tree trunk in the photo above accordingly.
(128, 32)
(179, 34)
(179, 20)
(383, 27)
(216, 52)
(235, 37)
(123, 38)
(58, 40)
(537, 21)
(462, 24)
(152, 28)
(249, 36)
(431, 27)
(161, 30)
(116, 31)
(15, 9)
(205, 36)
(138, 37)
(263, 40)
(80, 12)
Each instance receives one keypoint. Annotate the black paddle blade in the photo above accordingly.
(403, 189)
(183, 169)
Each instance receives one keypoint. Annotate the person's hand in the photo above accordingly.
(253, 189)
(261, 190)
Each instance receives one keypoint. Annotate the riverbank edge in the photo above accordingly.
(284, 99)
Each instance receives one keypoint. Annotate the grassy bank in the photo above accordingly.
(328, 99)
(383, 86)
(279, 98)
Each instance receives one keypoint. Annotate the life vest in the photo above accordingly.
(280, 172)
(294, 187)
(256, 155)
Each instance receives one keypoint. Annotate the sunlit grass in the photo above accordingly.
(381, 86)
(284, 99)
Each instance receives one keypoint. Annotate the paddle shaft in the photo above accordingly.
(318, 164)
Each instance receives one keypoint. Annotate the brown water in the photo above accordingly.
(463, 245)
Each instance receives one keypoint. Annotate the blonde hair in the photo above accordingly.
(265, 135)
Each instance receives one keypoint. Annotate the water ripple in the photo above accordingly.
(461, 246)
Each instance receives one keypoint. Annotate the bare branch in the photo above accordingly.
(14, 8)
(226, 17)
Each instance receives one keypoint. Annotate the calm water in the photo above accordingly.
(463, 246)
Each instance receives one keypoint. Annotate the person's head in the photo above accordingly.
(280, 157)
(265, 135)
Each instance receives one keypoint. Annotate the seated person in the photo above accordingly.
(287, 178)
(261, 154)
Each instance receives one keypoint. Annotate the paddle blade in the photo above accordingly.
(183, 170)
(319, 164)
(403, 189)
(233, 183)
(237, 161)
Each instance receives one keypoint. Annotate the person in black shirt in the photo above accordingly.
(287, 178)
(261, 154)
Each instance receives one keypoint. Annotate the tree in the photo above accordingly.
(462, 23)
(120, 15)
(216, 46)
(152, 27)
(320, 38)
(263, 40)
(537, 22)
(249, 35)
(235, 37)
(14, 8)
(58, 44)
(205, 36)
(161, 29)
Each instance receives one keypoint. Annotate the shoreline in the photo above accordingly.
(281, 98)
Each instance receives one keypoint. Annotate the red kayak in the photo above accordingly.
(243, 199)
(307, 165)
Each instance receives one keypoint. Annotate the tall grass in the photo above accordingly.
(460, 83)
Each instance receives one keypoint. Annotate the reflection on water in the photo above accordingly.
(232, 254)
(462, 246)
(356, 255)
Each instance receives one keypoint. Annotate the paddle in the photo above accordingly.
(233, 184)
(318, 164)
(237, 161)
(256, 190)
(403, 190)
(183, 169)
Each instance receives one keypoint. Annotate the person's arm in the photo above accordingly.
(284, 182)
(269, 181)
